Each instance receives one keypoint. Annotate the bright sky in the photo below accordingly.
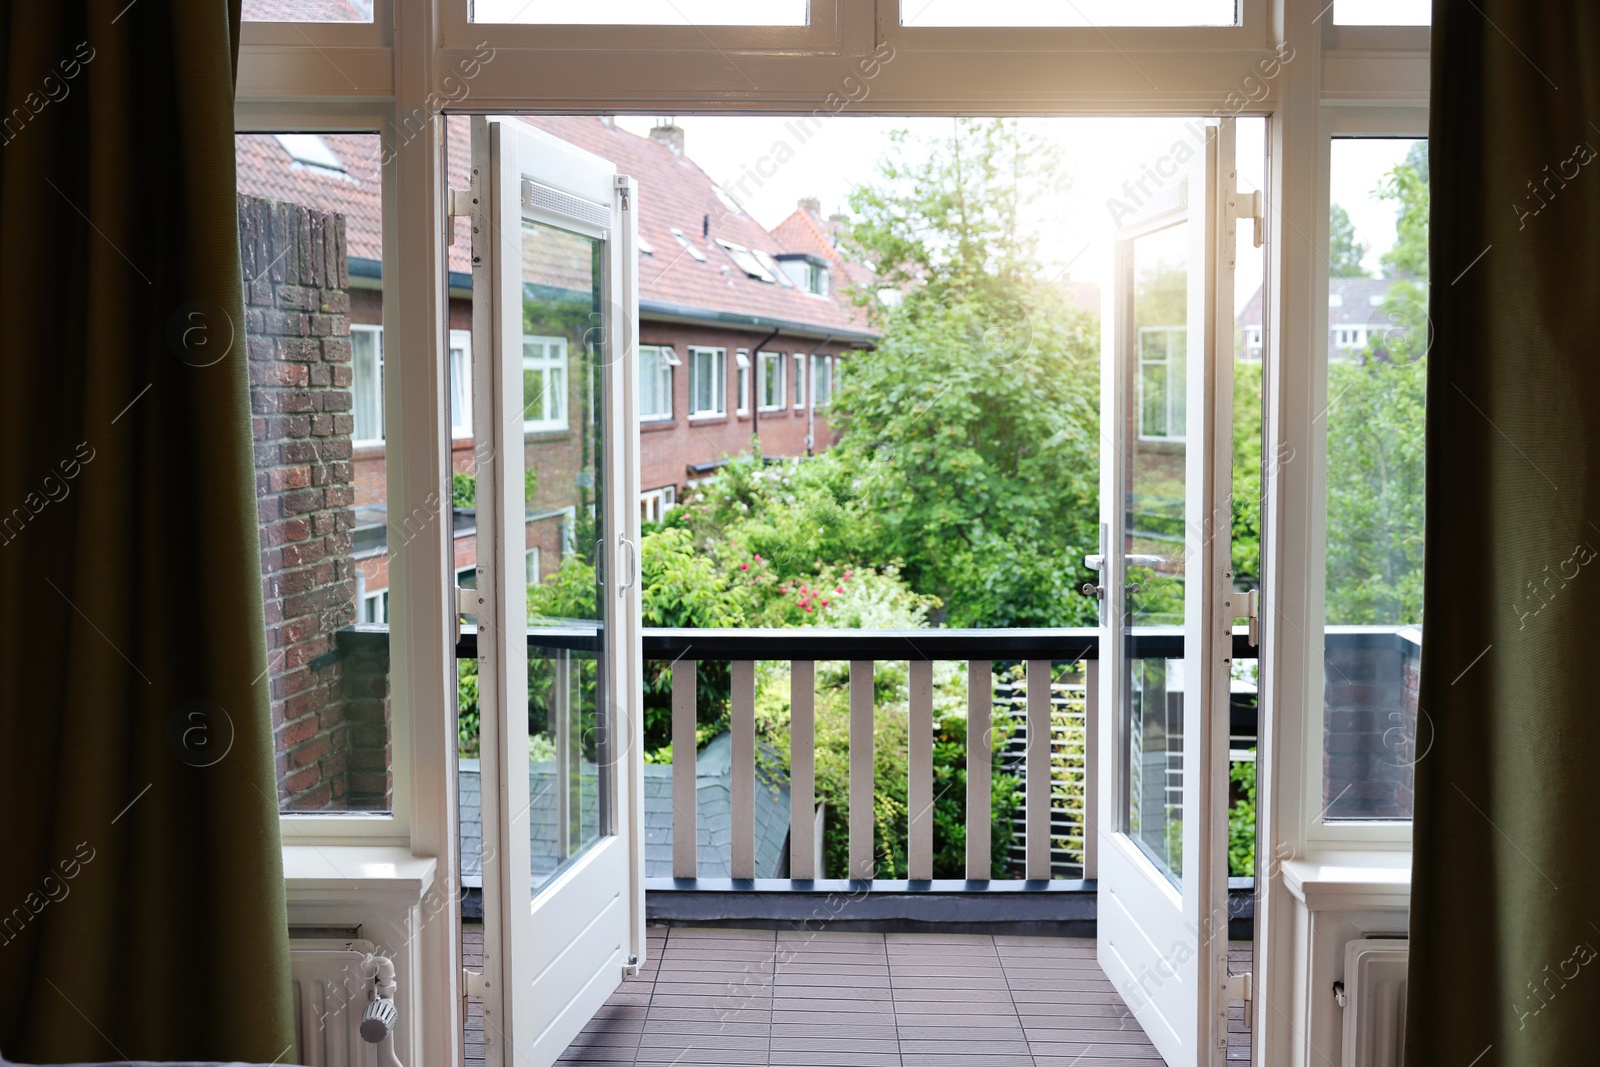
(1078, 231)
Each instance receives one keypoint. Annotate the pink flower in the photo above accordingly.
(847, 575)
(744, 566)
(759, 559)
(807, 606)
(838, 589)
(824, 603)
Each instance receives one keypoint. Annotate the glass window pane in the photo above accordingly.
(1153, 718)
(566, 766)
(1092, 13)
(643, 12)
(313, 331)
(1376, 383)
(1383, 12)
(306, 11)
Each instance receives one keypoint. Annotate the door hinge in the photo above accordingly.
(463, 203)
(468, 602)
(1249, 206)
(1241, 987)
(1252, 607)
(473, 984)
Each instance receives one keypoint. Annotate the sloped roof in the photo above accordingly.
(1351, 302)
(805, 230)
(674, 194)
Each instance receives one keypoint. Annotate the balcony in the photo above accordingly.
(760, 948)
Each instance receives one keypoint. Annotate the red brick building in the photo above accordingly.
(740, 338)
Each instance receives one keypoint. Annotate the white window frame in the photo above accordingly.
(531, 559)
(375, 608)
(414, 61)
(546, 363)
(765, 360)
(821, 398)
(655, 503)
(717, 360)
(360, 398)
(797, 368)
(657, 359)
(460, 384)
(741, 360)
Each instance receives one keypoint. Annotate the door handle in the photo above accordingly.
(630, 570)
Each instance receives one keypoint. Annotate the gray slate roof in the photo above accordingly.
(713, 823)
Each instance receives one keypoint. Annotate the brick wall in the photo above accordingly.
(329, 696)
(1370, 740)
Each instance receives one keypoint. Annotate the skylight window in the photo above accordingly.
(746, 262)
(310, 150)
(727, 200)
(766, 260)
(700, 257)
(646, 248)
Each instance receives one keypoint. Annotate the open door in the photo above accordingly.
(1166, 388)
(555, 314)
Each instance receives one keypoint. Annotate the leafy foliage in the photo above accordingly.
(1345, 251)
(1242, 819)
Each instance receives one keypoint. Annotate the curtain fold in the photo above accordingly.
(1505, 917)
(142, 910)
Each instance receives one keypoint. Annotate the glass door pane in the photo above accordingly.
(1153, 543)
(563, 311)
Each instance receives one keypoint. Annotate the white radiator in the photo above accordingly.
(1375, 1001)
(330, 995)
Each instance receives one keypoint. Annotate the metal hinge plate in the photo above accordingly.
(473, 985)
(1241, 987)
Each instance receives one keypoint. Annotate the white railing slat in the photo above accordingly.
(742, 787)
(802, 769)
(861, 800)
(1037, 802)
(919, 783)
(684, 828)
(1091, 799)
(979, 765)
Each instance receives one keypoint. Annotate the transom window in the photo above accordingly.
(544, 383)
(708, 382)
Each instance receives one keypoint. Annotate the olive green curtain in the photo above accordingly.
(142, 906)
(1505, 917)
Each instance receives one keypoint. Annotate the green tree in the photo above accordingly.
(1345, 252)
(1407, 187)
(970, 434)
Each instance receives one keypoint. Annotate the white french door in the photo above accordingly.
(555, 313)
(1166, 389)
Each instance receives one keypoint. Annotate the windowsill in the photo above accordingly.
(1350, 881)
(772, 411)
(553, 430)
(364, 873)
(710, 416)
(647, 425)
(364, 449)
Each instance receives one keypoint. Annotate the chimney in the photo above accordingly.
(839, 218)
(671, 135)
(811, 204)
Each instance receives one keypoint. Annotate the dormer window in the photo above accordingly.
(310, 150)
(808, 271)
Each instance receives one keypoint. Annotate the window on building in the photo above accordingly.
(643, 12)
(655, 503)
(808, 271)
(778, 273)
(1162, 354)
(366, 373)
(799, 382)
(467, 577)
(689, 246)
(532, 562)
(655, 381)
(306, 11)
(460, 383)
(769, 380)
(544, 383)
(821, 381)
(741, 359)
(708, 392)
(375, 607)
(746, 262)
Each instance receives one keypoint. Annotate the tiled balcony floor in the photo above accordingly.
(757, 997)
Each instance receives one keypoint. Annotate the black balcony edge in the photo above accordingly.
(1061, 908)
